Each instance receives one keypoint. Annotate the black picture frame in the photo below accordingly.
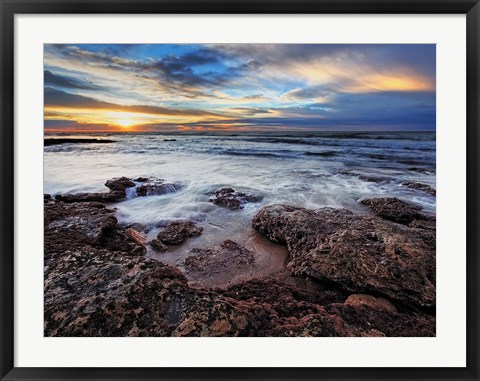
(10, 8)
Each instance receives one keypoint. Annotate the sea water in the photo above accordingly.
(305, 169)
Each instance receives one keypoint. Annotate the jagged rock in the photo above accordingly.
(366, 321)
(228, 198)
(94, 286)
(119, 184)
(155, 187)
(380, 304)
(359, 252)
(178, 231)
(136, 236)
(420, 187)
(149, 187)
(221, 263)
(158, 245)
(393, 209)
(91, 197)
(88, 223)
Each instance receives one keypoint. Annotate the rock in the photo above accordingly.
(119, 184)
(379, 304)
(359, 252)
(228, 198)
(95, 287)
(421, 170)
(365, 321)
(178, 231)
(136, 236)
(91, 197)
(50, 142)
(393, 209)
(365, 177)
(155, 187)
(420, 187)
(88, 223)
(137, 226)
(169, 140)
(221, 264)
(158, 245)
(95, 291)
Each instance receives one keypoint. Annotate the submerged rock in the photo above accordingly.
(155, 187)
(360, 253)
(365, 177)
(118, 190)
(175, 233)
(221, 264)
(228, 198)
(178, 231)
(158, 245)
(394, 209)
(420, 187)
(424, 171)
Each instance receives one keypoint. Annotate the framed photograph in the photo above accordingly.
(239, 190)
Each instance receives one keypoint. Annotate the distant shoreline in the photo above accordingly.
(51, 141)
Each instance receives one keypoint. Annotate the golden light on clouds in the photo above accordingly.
(168, 86)
(122, 118)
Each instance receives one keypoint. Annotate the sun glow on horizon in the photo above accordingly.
(233, 86)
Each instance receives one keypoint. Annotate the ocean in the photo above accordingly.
(305, 169)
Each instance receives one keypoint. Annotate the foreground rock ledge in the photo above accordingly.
(359, 252)
(97, 283)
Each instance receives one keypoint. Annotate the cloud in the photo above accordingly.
(238, 85)
(56, 80)
(61, 99)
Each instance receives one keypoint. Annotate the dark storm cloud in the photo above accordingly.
(57, 80)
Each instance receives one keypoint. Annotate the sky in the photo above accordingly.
(239, 87)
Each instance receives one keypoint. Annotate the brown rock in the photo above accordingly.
(136, 236)
(395, 210)
(380, 304)
(88, 223)
(361, 253)
(95, 287)
(420, 187)
(158, 245)
(178, 231)
(119, 184)
(221, 264)
(155, 187)
(91, 197)
(228, 198)
(365, 177)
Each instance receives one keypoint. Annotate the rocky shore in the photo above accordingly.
(374, 273)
